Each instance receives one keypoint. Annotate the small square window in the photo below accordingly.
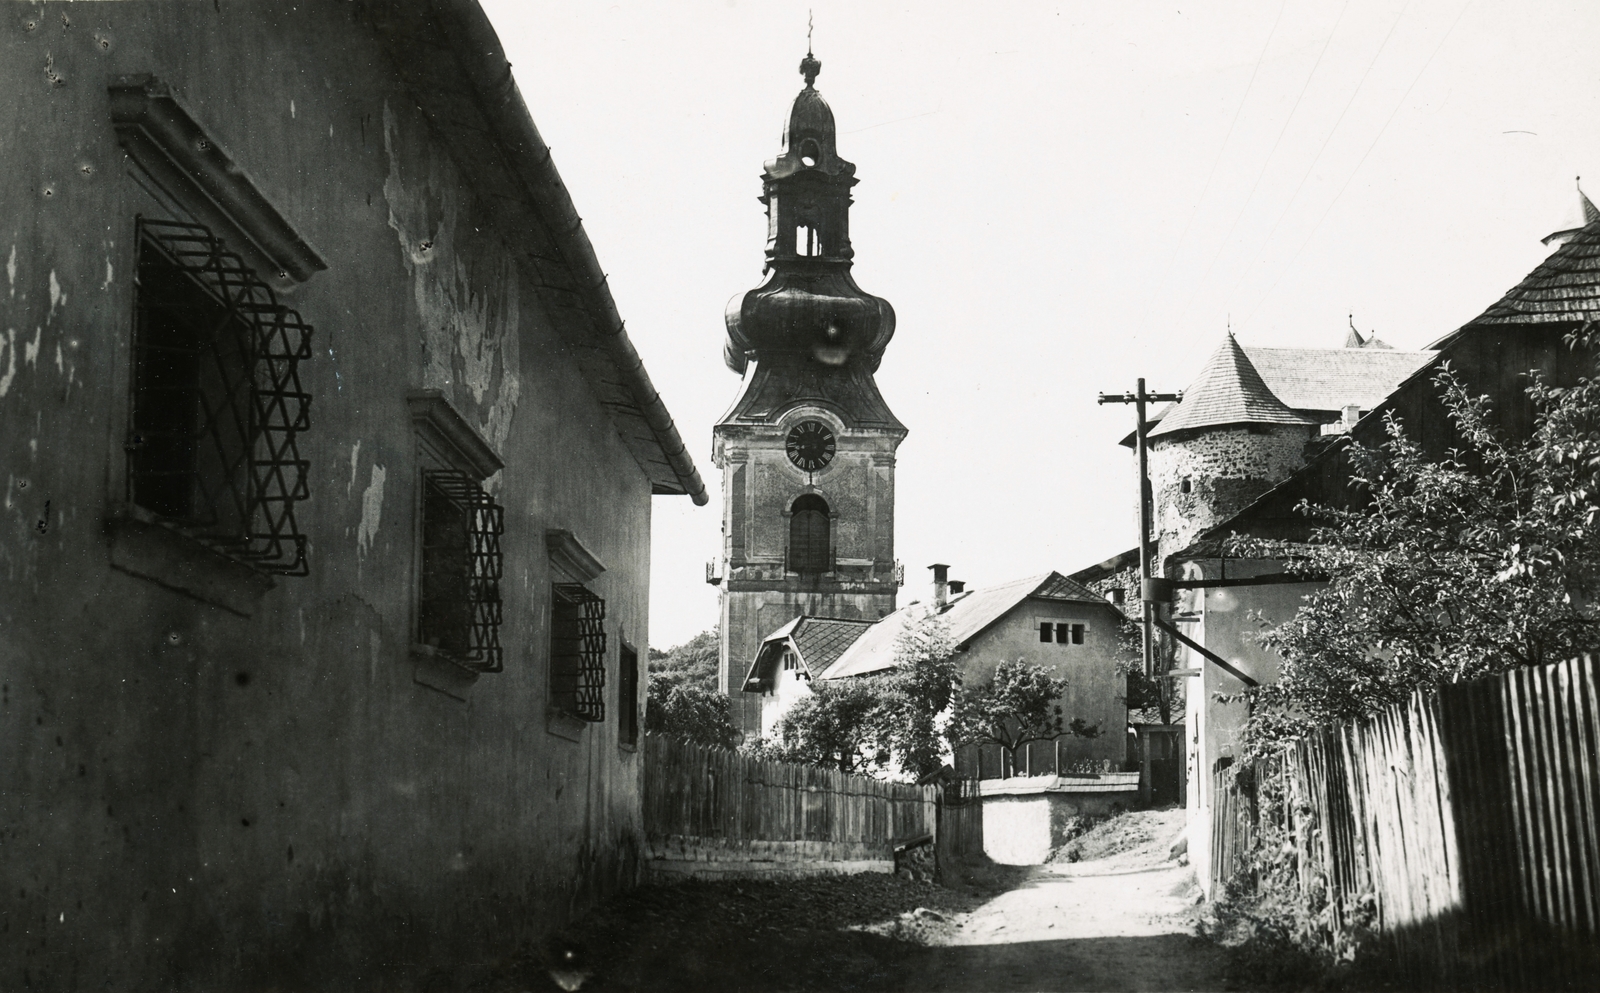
(578, 651)
(628, 696)
(1044, 632)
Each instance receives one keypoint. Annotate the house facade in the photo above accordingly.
(328, 469)
(1222, 602)
(1045, 619)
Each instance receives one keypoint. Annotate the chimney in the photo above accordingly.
(941, 584)
(957, 586)
(1348, 417)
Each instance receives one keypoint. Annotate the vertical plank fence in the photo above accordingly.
(711, 812)
(1467, 819)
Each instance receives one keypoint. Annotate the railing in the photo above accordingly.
(1036, 758)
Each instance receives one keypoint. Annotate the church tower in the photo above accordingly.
(807, 450)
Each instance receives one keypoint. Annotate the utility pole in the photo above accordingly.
(1147, 596)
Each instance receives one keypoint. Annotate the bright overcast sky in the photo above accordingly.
(1057, 199)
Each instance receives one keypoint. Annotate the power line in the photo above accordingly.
(1401, 103)
(1205, 188)
(1223, 243)
(1331, 131)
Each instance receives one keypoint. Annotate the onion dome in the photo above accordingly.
(809, 306)
(1228, 391)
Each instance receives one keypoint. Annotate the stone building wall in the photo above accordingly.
(1225, 468)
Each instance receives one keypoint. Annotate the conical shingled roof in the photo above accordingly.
(1228, 390)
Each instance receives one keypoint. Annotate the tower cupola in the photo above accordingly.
(809, 306)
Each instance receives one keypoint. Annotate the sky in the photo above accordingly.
(1057, 198)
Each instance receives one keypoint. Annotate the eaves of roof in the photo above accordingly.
(448, 56)
(1564, 288)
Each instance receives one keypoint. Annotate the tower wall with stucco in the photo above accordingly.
(1226, 468)
(808, 341)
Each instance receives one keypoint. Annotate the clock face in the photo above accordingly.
(810, 445)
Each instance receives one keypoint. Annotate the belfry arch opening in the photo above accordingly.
(807, 240)
(810, 535)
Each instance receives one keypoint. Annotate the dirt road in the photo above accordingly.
(1116, 923)
(1124, 930)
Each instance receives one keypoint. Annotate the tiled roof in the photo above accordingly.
(1228, 390)
(967, 615)
(1312, 379)
(1564, 287)
(821, 640)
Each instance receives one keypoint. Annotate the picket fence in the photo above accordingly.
(708, 805)
(1463, 824)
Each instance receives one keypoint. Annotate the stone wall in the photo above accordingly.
(1225, 469)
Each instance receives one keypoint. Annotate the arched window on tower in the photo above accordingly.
(807, 240)
(809, 535)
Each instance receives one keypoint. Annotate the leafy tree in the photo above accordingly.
(915, 697)
(887, 723)
(1477, 562)
(682, 699)
(836, 726)
(1020, 704)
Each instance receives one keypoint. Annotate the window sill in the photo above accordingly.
(143, 546)
(437, 671)
(628, 746)
(564, 725)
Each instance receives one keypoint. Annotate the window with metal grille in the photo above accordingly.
(459, 607)
(217, 401)
(578, 651)
(628, 696)
(809, 538)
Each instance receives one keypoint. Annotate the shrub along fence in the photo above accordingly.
(710, 812)
(1464, 825)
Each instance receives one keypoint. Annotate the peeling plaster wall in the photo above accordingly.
(191, 795)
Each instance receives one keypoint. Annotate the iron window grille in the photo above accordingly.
(217, 402)
(578, 651)
(459, 609)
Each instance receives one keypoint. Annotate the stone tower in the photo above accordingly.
(807, 451)
(1229, 441)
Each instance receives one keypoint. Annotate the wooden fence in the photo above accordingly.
(1468, 817)
(710, 811)
(960, 821)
